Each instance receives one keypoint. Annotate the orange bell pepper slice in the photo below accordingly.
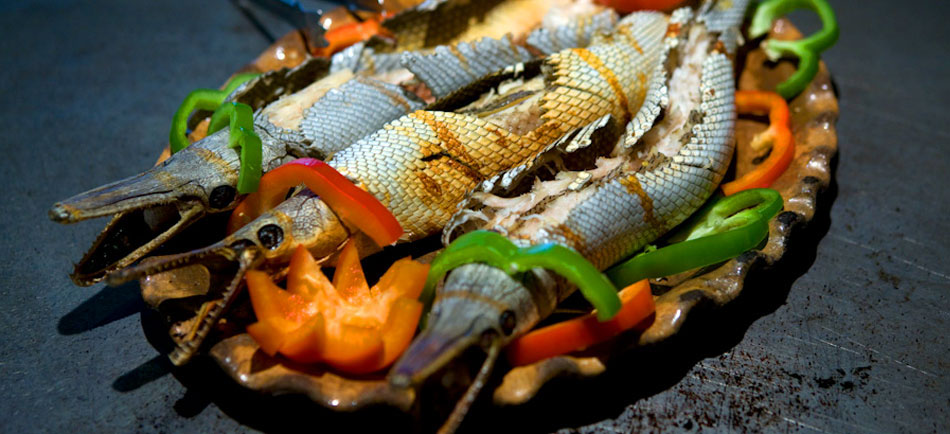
(349, 34)
(779, 134)
(636, 312)
(626, 6)
(345, 324)
(353, 204)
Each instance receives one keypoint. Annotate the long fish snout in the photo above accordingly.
(222, 267)
(477, 306)
(477, 311)
(205, 172)
(151, 207)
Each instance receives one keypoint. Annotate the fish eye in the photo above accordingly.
(270, 235)
(221, 196)
(507, 321)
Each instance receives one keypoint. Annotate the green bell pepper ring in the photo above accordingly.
(727, 213)
(807, 50)
(497, 251)
(200, 99)
(595, 287)
(241, 134)
(721, 231)
(478, 246)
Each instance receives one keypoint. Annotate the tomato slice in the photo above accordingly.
(354, 349)
(270, 301)
(405, 278)
(400, 327)
(269, 334)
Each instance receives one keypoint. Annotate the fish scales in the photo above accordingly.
(605, 213)
(362, 104)
(421, 165)
(626, 211)
(577, 34)
(448, 68)
(443, 149)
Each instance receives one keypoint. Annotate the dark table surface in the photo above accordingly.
(849, 336)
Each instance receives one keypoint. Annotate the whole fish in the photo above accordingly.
(605, 211)
(422, 165)
(313, 110)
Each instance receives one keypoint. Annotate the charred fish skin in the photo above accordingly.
(449, 68)
(576, 34)
(310, 128)
(605, 212)
(305, 107)
(264, 243)
(158, 203)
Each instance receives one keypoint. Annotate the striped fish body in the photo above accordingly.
(605, 212)
(422, 165)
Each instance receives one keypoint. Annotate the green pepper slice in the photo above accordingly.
(722, 230)
(241, 135)
(807, 50)
(497, 251)
(200, 99)
(594, 286)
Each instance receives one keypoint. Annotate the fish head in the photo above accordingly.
(151, 207)
(479, 306)
(265, 243)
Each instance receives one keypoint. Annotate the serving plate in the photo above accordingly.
(814, 114)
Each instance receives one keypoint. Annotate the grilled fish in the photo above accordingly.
(648, 182)
(422, 165)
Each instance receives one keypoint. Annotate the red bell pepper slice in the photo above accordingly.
(779, 134)
(636, 312)
(345, 324)
(353, 204)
